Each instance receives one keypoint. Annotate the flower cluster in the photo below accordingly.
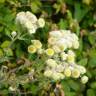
(61, 58)
(63, 39)
(36, 46)
(60, 62)
(29, 21)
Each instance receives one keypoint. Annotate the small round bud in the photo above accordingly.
(14, 33)
(12, 88)
(41, 22)
(84, 79)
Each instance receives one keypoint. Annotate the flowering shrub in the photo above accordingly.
(61, 59)
(47, 48)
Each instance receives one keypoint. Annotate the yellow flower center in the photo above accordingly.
(31, 49)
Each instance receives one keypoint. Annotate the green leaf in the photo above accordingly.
(90, 92)
(79, 9)
(19, 51)
(93, 85)
(5, 44)
(74, 85)
(1, 53)
(65, 86)
(92, 62)
(83, 62)
(35, 6)
(4, 92)
(57, 7)
(4, 59)
(8, 52)
(92, 52)
(34, 89)
(2, 1)
(92, 39)
(70, 94)
(63, 24)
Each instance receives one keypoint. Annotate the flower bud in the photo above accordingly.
(41, 22)
(84, 79)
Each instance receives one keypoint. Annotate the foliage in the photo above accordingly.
(77, 15)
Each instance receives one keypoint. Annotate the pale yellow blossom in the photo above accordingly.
(75, 73)
(84, 79)
(31, 49)
(67, 72)
(50, 52)
(41, 22)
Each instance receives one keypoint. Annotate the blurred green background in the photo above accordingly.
(76, 15)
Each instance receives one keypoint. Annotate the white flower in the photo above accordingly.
(48, 73)
(49, 52)
(60, 68)
(52, 40)
(57, 76)
(65, 32)
(70, 52)
(31, 17)
(40, 51)
(29, 21)
(56, 49)
(32, 31)
(41, 22)
(71, 56)
(62, 76)
(63, 56)
(12, 88)
(74, 36)
(75, 44)
(21, 18)
(56, 34)
(37, 43)
(75, 73)
(28, 24)
(14, 33)
(67, 72)
(69, 44)
(62, 44)
(51, 63)
(32, 49)
(81, 69)
(84, 79)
